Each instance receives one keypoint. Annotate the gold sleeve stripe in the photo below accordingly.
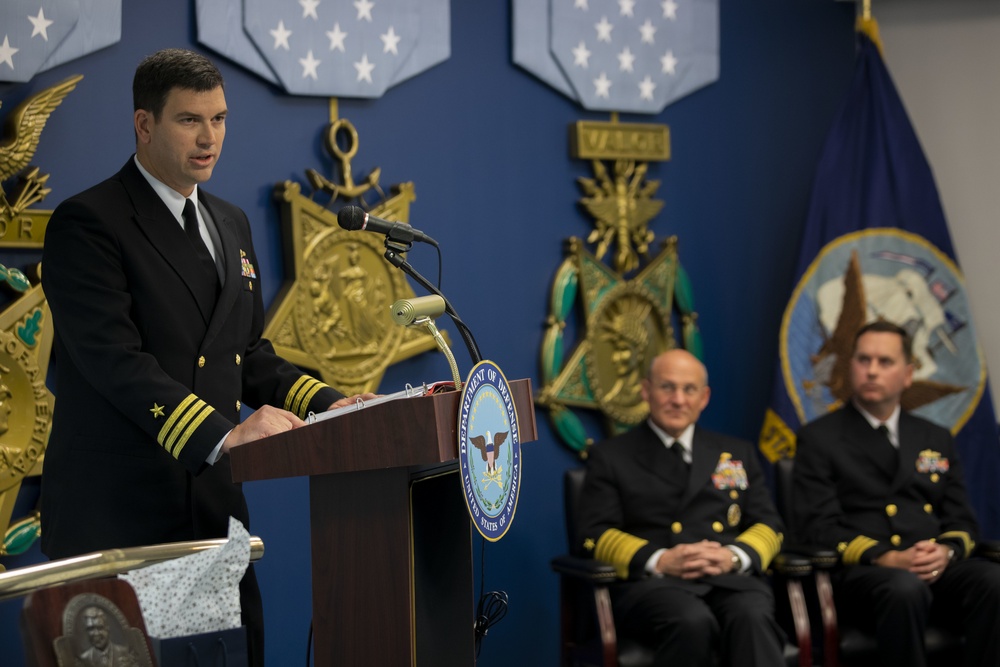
(171, 423)
(967, 541)
(617, 548)
(857, 547)
(764, 540)
(182, 424)
(301, 393)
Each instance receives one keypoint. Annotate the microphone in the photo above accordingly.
(354, 218)
(405, 311)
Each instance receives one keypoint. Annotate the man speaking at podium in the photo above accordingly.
(157, 308)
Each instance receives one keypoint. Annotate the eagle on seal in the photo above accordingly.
(489, 447)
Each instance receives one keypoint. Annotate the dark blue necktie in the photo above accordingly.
(677, 449)
(891, 454)
(194, 235)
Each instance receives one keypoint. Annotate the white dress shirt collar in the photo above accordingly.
(685, 440)
(892, 423)
(173, 199)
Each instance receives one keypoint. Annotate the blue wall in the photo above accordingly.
(486, 145)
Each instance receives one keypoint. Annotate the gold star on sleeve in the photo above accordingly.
(157, 411)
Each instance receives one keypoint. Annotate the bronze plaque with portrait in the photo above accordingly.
(96, 623)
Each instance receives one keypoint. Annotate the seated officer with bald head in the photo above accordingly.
(685, 517)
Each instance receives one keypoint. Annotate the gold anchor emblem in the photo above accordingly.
(333, 314)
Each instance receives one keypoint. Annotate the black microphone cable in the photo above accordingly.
(492, 606)
(309, 643)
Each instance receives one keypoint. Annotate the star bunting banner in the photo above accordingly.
(619, 55)
(99, 25)
(325, 48)
(36, 36)
(220, 27)
(30, 31)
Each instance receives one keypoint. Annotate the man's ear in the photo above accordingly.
(142, 120)
(708, 395)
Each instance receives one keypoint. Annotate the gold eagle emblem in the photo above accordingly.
(22, 132)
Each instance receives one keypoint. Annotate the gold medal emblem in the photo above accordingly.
(333, 315)
(626, 329)
(734, 515)
(25, 411)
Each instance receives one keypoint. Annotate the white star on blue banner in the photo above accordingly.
(433, 43)
(333, 48)
(30, 31)
(220, 27)
(620, 55)
(342, 48)
(99, 26)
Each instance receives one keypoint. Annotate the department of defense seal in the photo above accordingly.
(489, 450)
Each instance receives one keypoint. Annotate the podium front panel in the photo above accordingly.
(392, 568)
(444, 600)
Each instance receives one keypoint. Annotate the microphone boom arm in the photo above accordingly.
(393, 255)
(428, 324)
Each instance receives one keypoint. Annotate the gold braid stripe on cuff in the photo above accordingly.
(182, 424)
(967, 543)
(858, 546)
(764, 540)
(617, 549)
(301, 393)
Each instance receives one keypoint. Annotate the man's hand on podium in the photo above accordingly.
(351, 400)
(266, 421)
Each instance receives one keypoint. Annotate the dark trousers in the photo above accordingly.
(897, 606)
(698, 625)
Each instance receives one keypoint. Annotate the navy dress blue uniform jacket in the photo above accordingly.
(148, 378)
(848, 499)
(631, 506)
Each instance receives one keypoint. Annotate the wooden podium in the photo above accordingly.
(391, 536)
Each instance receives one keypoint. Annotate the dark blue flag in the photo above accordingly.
(876, 245)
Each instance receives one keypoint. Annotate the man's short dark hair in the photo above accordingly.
(165, 70)
(884, 326)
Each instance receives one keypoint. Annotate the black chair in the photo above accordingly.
(588, 633)
(843, 643)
